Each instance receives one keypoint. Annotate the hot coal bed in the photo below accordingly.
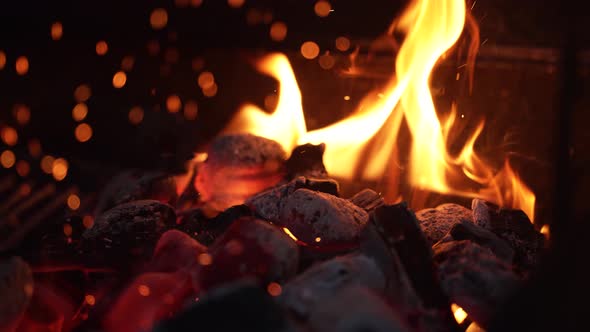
(261, 238)
(294, 257)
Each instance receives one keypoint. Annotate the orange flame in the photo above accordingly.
(431, 28)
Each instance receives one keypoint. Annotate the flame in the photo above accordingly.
(459, 313)
(364, 145)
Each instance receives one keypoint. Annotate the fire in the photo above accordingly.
(431, 28)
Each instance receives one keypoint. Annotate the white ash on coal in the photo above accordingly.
(237, 167)
(437, 222)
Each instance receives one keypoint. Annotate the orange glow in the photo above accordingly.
(310, 50)
(22, 114)
(59, 169)
(22, 65)
(173, 104)
(327, 61)
(7, 159)
(318, 239)
(159, 18)
(545, 230)
(87, 221)
(82, 93)
(459, 313)
(119, 79)
(196, 3)
(83, 132)
(322, 8)
(56, 31)
(342, 44)
(9, 136)
(205, 259)
(278, 31)
(73, 202)
(191, 110)
(136, 115)
(127, 63)
(143, 290)
(47, 164)
(90, 300)
(79, 112)
(210, 91)
(67, 230)
(431, 28)
(34, 148)
(102, 47)
(2, 60)
(236, 3)
(274, 289)
(206, 80)
(23, 168)
(288, 232)
(253, 16)
(198, 63)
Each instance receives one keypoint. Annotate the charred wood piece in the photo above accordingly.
(437, 222)
(307, 160)
(206, 230)
(469, 231)
(367, 199)
(237, 167)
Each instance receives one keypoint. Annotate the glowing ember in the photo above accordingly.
(136, 115)
(102, 47)
(211, 91)
(143, 290)
(342, 44)
(90, 300)
(47, 164)
(119, 79)
(73, 202)
(278, 31)
(22, 114)
(322, 8)
(327, 61)
(236, 3)
(59, 169)
(83, 132)
(431, 28)
(79, 112)
(56, 31)
(459, 313)
(34, 148)
(88, 221)
(191, 110)
(7, 159)
(206, 80)
(274, 289)
(23, 168)
(159, 18)
(82, 93)
(173, 104)
(2, 60)
(9, 136)
(22, 65)
(205, 259)
(288, 232)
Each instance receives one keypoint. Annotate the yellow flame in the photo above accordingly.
(459, 313)
(363, 145)
(288, 232)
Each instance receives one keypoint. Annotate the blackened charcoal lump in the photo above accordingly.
(474, 278)
(437, 222)
(127, 232)
(206, 230)
(268, 204)
(307, 160)
(468, 231)
(241, 306)
(16, 289)
(135, 185)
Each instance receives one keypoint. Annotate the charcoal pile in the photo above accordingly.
(268, 244)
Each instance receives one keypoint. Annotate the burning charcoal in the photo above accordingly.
(268, 204)
(50, 309)
(175, 250)
(150, 298)
(314, 216)
(127, 231)
(137, 185)
(242, 306)
(474, 278)
(237, 167)
(207, 230)
(399, 229)
(16, 288)
(249, 248)
(468, 231)
(303, 294)
(437, 222)
(515, 227)
(307, 160)
(355, 309)
(367, 199)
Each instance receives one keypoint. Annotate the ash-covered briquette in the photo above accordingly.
(307, 160)
(437, 222)
(515, 227)
(133, 185)
(474, 278)
(316, 217)
(268, 204)
(127, 233)
(237, 167)
(468, 231)
(303, 294)
(249, 248)
(16, 289)
(356, 308)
